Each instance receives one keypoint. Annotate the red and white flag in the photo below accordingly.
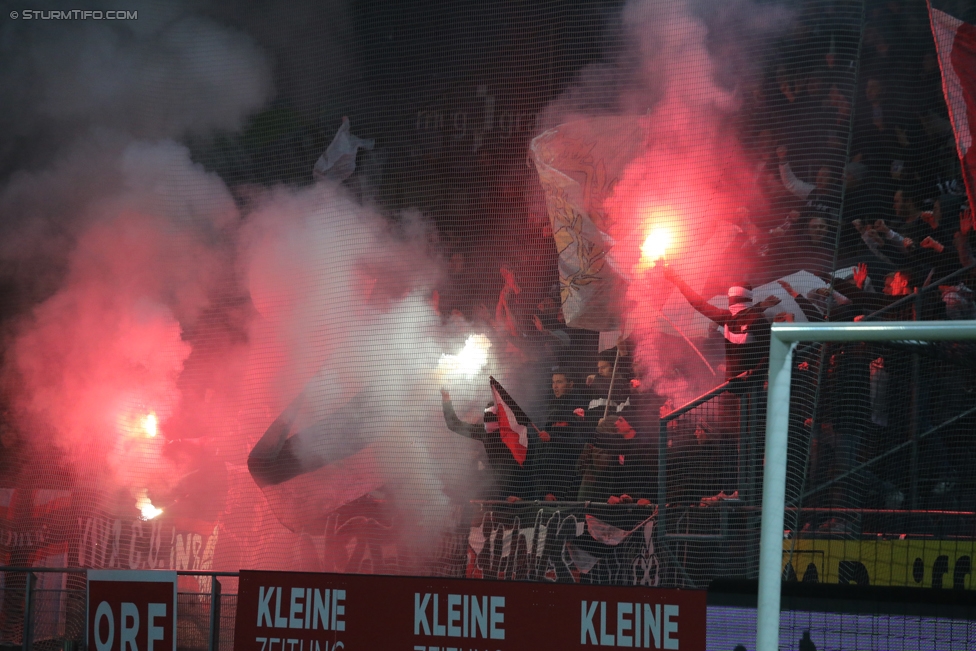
(955, 42)
(513, 424)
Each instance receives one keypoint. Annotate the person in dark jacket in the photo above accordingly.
(745, 326)
(509, 480)
(747, 332)
(561, 441)
(608, 455)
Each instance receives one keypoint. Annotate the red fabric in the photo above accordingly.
(964, 63)
(956, 46)
(509, 436)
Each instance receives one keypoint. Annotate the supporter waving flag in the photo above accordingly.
(955, 41)
(513, 424)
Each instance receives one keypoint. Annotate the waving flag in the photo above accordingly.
(955, 41)
(513, 424)
(579, 163)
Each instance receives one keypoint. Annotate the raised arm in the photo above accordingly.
(704, 307)
(469, 430)
(809, 311)
(799, 189)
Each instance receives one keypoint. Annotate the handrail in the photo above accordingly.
(705, 397)
(904, 300)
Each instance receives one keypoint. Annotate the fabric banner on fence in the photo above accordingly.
(567, 543)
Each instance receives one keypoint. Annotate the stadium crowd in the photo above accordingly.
(860, 185)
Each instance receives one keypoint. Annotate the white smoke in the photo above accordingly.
(152, 297)
(346, 318)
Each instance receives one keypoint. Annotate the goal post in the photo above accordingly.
(785, 337)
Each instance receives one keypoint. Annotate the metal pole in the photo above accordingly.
(28, 635)
(613, 378)
(662, 479)
(774, 494)
(783, 339)
(214, 642)
(913, 421)
(913, 428)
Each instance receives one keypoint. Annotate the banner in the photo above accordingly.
(291, 611)
(570, 543)
(955, 42)
(901, 563)
(131, 609)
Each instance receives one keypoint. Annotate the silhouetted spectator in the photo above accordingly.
(745, 326)
(509, 480)
(561, 441)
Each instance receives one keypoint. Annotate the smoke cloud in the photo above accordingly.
(162, 330)
(681, 67)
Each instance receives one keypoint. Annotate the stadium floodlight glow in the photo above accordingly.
(783, 341)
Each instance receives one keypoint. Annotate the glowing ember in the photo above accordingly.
(470, 360)
(145, 506)
(656, 244)
(149, 425)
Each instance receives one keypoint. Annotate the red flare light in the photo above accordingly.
(150, 425)
(656, 245)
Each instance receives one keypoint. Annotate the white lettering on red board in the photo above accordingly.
(631, 625)
(458, 615)
(296, 644)
(301, 608)
(128, 626)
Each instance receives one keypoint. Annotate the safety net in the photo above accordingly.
(481, 289)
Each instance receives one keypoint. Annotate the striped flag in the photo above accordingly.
(513, 424)
(955, 42)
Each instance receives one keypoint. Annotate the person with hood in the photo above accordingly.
(744, 324)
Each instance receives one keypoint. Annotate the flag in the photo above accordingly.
(607, 533)
(955, 42)
(338, 162)
(579, 163)
(513, 424)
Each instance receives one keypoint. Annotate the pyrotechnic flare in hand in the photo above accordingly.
(669, 273)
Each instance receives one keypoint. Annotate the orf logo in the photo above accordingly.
(131, 610)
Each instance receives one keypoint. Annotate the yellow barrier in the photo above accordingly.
(909, 563)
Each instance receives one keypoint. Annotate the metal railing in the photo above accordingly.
(694, 425)
(706, 447)
(44, 609)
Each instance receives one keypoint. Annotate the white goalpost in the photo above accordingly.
(785, 337)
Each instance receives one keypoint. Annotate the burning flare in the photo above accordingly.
(656, 245)
(470, 360)
(145, 506)
(150, 425)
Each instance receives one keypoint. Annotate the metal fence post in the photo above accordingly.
(28, 635)
(662, 480)
(214, 641)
